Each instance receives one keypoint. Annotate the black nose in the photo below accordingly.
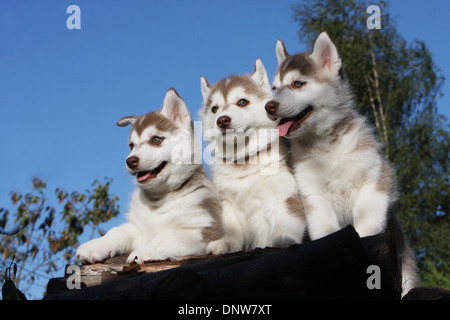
(223, 122)
(272, 106)
(132, 162)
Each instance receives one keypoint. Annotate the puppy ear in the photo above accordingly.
(281, 52)
(325, 54)
(260, 76)
(126, 121)
(175, 109)
(206, 88)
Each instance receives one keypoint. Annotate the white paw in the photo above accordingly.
(93, 251)
(144, 254)
(223, 246)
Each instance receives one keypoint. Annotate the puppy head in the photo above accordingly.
(235, 104)
(153, 139)
(305, 87)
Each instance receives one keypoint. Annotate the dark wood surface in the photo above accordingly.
(334, 267)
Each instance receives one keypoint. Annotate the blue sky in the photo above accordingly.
(62, 91)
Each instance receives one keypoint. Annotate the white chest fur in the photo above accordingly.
(260, 202)
(339, 181)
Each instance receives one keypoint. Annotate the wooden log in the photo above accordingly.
(328, 268)
(94, 275)
(116, 268)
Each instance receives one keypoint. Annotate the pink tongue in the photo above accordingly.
(142, 178)
(284, 128)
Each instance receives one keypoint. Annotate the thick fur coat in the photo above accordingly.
(174, 210)
(339, 166)
(261, 204)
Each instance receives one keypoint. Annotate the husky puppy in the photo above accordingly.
(261, 203)
(341, 172)
(174, 210)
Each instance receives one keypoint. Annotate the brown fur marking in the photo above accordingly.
(214, 208)
(299, 61)
(224, 86)
(156, 119)
(385, 181)
(295, 206)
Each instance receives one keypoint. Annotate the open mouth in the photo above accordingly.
(287, 125)
(144, 176)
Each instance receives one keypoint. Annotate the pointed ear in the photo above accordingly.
(325, 54)
(260, 76)
(281, 52)
(206, 88)
(126, 121)
(175, 109)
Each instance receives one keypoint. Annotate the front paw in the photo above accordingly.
(94, 251)
(223, 246)
(147, 253)
(140, 256)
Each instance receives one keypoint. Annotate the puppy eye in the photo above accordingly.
(298, 84)
(214, 109)
(274, 88)
(156, 140)
(243, 103)
(131, 145)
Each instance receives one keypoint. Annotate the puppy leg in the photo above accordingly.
(289, 224)
(233, 239)
(117, 241)
(321, 217)
(370, 210)
(173, 244)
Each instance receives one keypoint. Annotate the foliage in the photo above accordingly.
(43, 230)
(396, 84)
(436, 277)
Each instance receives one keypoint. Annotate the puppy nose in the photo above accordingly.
(223, 122)
(132, 162)
(271, 106)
